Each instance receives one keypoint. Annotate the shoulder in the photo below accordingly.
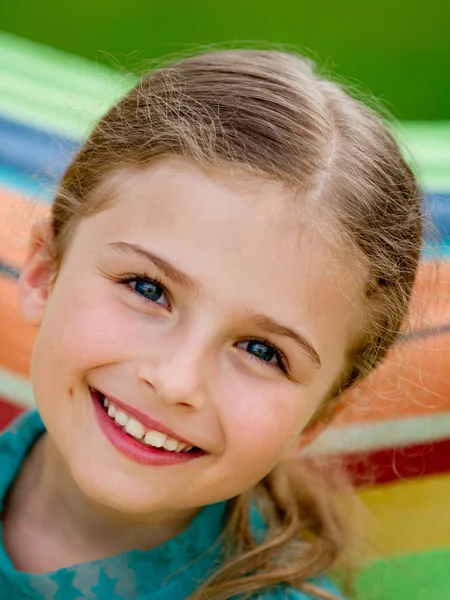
(288, 593)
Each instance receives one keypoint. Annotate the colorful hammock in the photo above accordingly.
(395, 429)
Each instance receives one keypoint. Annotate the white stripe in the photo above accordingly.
(394, 433)
(16, 388)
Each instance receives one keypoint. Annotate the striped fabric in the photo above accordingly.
(394, 430)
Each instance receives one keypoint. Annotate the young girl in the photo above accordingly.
(232, 248)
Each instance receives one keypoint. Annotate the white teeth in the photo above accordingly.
(135, 429)
(121, 418)
(155, 438)
(112, 411)
(171, 444)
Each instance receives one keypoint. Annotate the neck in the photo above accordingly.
(45, 499)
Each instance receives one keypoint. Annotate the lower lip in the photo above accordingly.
(135, 450)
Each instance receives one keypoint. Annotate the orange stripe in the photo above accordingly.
(16, 335)
(415, 378)
(17, 215)
(414, 381)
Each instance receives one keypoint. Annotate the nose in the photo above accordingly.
(178, 373)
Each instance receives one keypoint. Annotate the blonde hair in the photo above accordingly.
(268, 113)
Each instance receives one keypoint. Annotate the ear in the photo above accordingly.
(37, 273)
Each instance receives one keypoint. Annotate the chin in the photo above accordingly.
(115, 493)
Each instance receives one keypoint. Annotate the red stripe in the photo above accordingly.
(394, 464)
(8, 411)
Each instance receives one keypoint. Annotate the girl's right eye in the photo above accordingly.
(150, 290)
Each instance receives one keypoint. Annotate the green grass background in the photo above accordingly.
(399, 49)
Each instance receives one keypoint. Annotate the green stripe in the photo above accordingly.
(51, 109)
(427, 146)
(37, 62)
(52, 90)
(421, 576)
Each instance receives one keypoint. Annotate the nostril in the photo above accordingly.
(147, 382)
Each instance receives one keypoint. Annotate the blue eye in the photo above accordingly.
(261, 351)
(264, 352)
(149, 289)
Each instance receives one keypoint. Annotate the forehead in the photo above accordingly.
(246, 240)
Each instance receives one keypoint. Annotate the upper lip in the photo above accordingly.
(145, 419)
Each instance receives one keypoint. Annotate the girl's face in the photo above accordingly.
(202, 306)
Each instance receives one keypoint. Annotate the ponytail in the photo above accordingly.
(304, 532)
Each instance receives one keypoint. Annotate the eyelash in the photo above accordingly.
(125, 280)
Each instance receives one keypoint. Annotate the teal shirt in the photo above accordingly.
(171, 571)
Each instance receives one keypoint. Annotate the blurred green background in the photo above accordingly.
(400, 50)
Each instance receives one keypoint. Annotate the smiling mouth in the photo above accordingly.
(148, 438)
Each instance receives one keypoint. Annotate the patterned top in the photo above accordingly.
(171, 571)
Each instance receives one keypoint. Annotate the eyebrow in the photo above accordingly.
(169, 270)
(272, 326)
(260, 320)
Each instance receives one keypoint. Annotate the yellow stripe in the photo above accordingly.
(410, 516)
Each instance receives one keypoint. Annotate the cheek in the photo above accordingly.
(262, 420)
(84, 327)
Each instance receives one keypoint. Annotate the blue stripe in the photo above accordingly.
(37, 154)
(8, 270)
(437, 206)
(26, 185)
